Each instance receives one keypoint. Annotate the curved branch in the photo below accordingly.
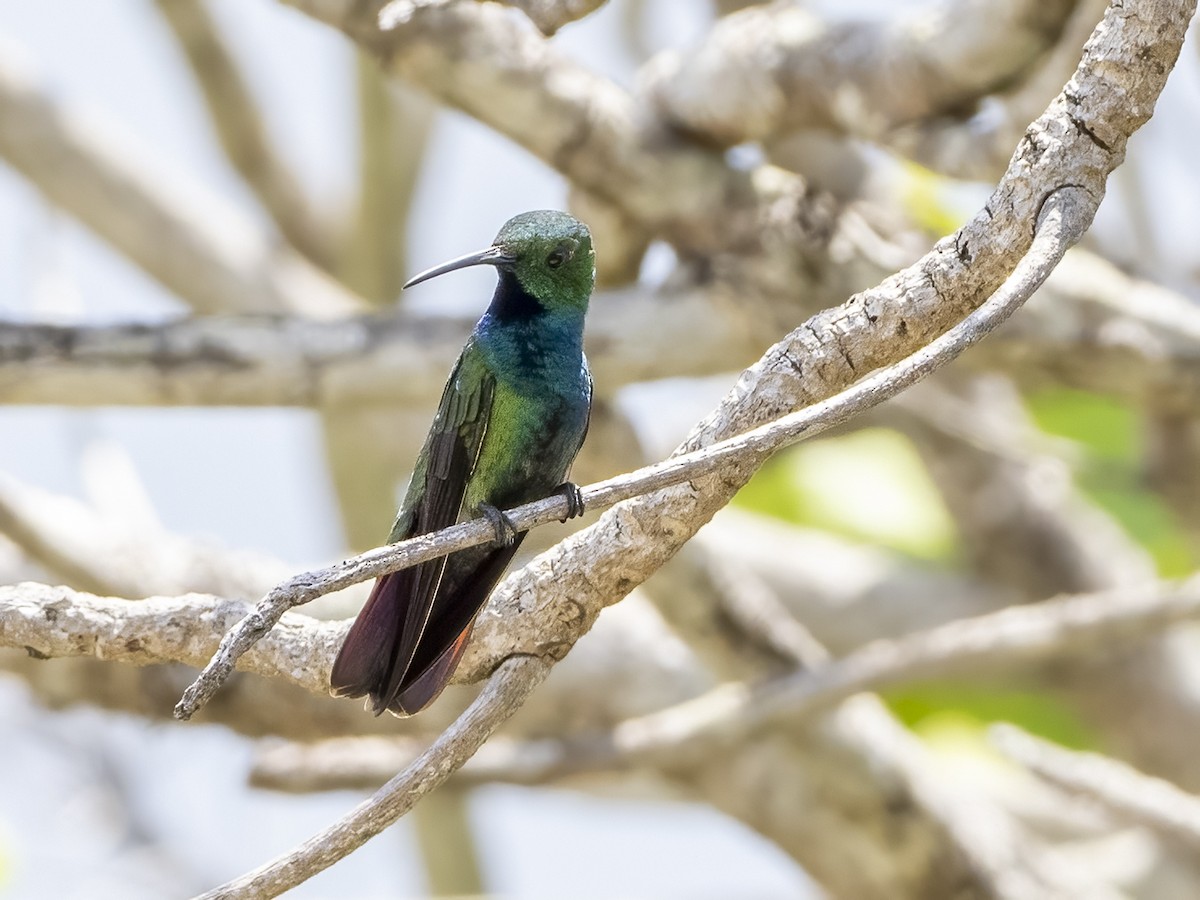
(1066, 216)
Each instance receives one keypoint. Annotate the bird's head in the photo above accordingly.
(549, 252)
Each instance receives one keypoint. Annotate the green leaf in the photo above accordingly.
(925, 196)
(1107, 428)
(928, 707)
(1110, 438)
(870, 485)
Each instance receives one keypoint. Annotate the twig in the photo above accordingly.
(1065, 215)
(504, 692)
(1132, 795)
(729, 713)
(240, 127)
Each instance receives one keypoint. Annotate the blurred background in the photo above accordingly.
(1019, 478)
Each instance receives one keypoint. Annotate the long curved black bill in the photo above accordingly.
(492, 256)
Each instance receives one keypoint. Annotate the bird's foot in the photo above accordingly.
(574, 495)
(502, 525)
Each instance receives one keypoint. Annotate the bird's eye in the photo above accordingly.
(557, 257)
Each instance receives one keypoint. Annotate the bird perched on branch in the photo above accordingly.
(512, 417)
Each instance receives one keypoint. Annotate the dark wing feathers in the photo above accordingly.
(446, 633)
(380, 646)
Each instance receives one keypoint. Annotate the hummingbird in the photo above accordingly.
(512, 417)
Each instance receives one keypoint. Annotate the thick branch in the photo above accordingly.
(978, 146)
(782, 67)
(397, 357)
(1091, 327)
(729, 715)
(55, 621)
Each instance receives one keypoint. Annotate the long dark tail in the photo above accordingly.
(368, 665)
(361, 667)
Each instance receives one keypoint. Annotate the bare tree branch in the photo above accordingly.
(729, 714)
(396, 357)
(1067, 214)
(872, 329)
(978, 146)
(59, 622)
(624, 655)
(1063, 159)
(55, 621)
(241, 130)
(1153, 802)
(780, 67)
(195, 243)
(480, 59)
(551, 15)
(1126, 51)
(1091, 327)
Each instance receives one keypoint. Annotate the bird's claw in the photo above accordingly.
(574, 495)
(502, 525)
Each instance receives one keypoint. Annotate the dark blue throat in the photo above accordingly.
(512, 304)
(528, 341)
